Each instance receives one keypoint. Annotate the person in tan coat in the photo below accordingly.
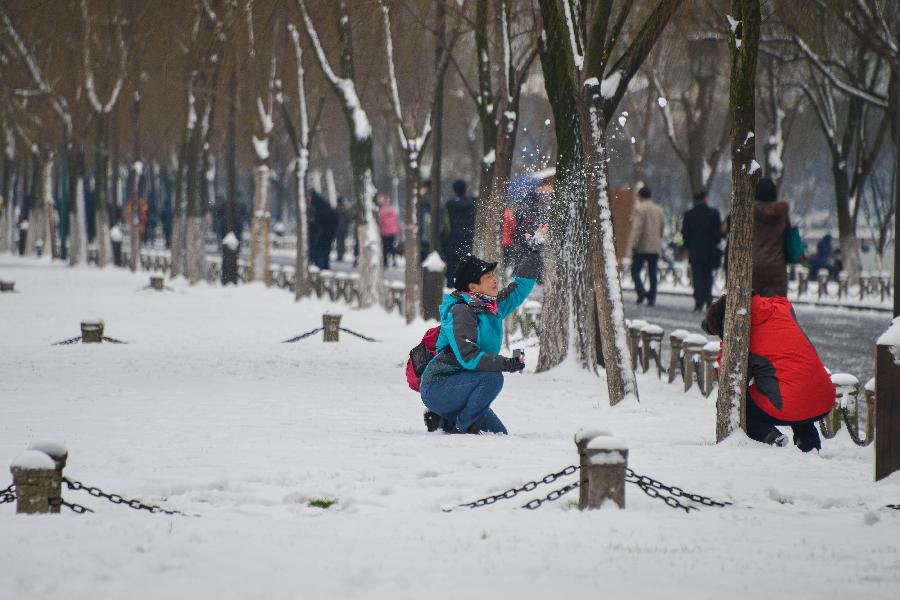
(647, 224)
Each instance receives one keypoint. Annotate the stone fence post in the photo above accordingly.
(37, 480)
(433, 278)
(603, 461)
(92, 331)
(331, 326)
(676, 341)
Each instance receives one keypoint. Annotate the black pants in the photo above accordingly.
(759, 424)
(387, 248)
(702, 274)
(637, 263)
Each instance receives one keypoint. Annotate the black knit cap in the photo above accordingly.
(469, 270)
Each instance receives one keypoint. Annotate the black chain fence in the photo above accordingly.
(359, 335)
(118, 499)
(75, 340)
(303, 336)
(671, 495)
(8, 495)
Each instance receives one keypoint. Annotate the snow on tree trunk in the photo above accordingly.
(620, 379)
(101, 191)
(301, 258)
(49, 230)
(196, 249)
(79, 236)
(371, 273)
(259, 228)
(743, 43)
(411, 248)
(135, 225)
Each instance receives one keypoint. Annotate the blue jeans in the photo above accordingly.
(637, 263)
(463, 399)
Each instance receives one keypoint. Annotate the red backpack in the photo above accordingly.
(420, 356)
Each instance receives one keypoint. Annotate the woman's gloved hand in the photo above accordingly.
(513, 364)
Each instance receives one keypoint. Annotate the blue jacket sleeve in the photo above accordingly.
(527, 271)
(464, 341)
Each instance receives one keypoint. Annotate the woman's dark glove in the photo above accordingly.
(513, 364)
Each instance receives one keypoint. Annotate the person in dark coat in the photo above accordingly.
(343, 226)
(823, 258)
(788, 384)
(701, 232)
(322, 226)
(461, 214)
(771, 222)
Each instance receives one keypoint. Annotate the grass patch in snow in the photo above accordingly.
(321, 502)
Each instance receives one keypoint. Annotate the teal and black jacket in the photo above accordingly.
(472, 329)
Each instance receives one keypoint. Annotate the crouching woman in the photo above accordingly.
(787, 383)
(466, 374)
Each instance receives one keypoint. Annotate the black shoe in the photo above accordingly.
(474, 429)
(640, 299)
(776, 438)
(432, 421)
(808, 444)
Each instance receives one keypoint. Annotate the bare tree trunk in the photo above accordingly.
(50, 234)
(487, 241)
(178, 210)
(437, 126)
(101, 193)
(259, 228)
(744, 44)
(411, 249)
(620, 379)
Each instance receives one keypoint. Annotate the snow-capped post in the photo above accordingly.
(92, 331)
(676, 357)
(413, 145)
(583, 53)
(433, 278)
(743, 38)
(372, 289)
(504, 109)
(887, 395)
(59, 454)
(331, 327)
(35, 477)
(603, 460)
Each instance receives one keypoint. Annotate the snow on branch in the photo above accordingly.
(574, 33)
(841, 85)
(93, 98)
(301, 88)
(392, 75)
(60, 106)
(345, 88)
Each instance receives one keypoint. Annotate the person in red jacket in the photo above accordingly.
(787, 382)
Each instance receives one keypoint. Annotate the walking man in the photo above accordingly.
(647, 224)
(701, 232)
(461, 213)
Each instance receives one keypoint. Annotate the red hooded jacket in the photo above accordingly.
(788, 381)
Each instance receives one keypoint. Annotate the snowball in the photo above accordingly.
(230, 241)
(33, 459)
(662, 102)
(433, 263)
(115, 234)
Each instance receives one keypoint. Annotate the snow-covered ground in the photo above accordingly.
(205, 411)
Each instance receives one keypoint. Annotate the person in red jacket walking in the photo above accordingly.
(787, 382)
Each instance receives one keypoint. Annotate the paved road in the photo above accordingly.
(844, 338)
